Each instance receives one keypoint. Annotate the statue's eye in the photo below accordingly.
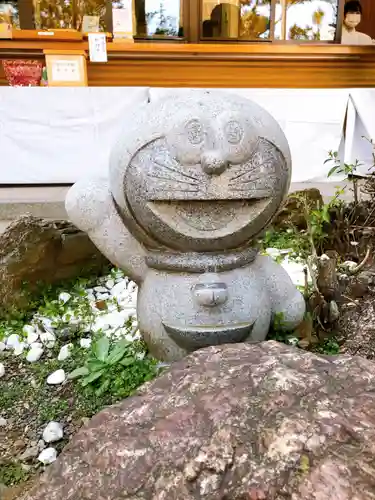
(233, 132)
(195, 132)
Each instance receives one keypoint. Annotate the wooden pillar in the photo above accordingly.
(284, 8)
(140, 14)
(26, 14)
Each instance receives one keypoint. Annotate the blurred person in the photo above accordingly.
(352, 17)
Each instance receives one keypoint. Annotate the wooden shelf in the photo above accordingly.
(51, 35)
(261, 65)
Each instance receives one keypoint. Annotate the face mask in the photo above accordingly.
(352, 20)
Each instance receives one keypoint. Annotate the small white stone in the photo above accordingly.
(48, 456)
(48, 339)
(349, 265)
(13, 341)
(64, 297)
(47, 323)
(53, 432)
(65, 352)
(100, 289)
(2, 346)
(2, 370)
(110, 284)
(3, 422)
(85, 343)
(18, 349)
(137, 335)
(293, 340)
(56, 378)
(119, 288)
(34, 354)
(32, 336)
(132, 287)
(28, 329)
(102, 296)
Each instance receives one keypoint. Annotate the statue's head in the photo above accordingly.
(200, 171)
(352, 13)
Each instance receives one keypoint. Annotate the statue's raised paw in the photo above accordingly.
(88, 203)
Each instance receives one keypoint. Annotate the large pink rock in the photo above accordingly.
(236, 422)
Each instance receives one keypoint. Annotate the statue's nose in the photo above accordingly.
(213, 162)
(210, 292)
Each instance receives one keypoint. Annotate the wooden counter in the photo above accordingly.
(231, 65)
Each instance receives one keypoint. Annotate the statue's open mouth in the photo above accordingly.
(196, 337)
(209, 215)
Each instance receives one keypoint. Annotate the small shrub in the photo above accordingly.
(118, 367)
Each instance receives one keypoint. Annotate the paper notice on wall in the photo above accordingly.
(66, 70)
(123, 19)
(98, 47)
(90, 24)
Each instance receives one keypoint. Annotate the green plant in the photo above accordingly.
(349, 169)
(12, 474)
(290, 239)
(116, 367)
(278, 330)
(330, 346)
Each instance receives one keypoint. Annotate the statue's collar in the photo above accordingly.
(194, 262)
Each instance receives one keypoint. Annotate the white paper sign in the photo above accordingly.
(66, 71)
(90, 24)
(123, 18)
(98, 47)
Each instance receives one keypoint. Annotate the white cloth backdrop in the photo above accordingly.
(59, 135)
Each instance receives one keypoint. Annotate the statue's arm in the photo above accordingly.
(91, 208)
(286, 300)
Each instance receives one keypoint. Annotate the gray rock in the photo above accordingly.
(30, 453)
(192, 183)
(262, 421)
(35, 250)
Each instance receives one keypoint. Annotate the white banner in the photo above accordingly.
(59, 135)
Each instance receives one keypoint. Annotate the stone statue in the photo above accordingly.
(193, 180)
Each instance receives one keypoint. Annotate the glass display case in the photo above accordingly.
(313, 20)
(197, 43)
(9, 13)
(235, 19)
(269, 20)
(68, 14)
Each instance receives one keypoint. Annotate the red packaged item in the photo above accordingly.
(23, 73)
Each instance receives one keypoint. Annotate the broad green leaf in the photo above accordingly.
(78, 372)
(104, 386)
(118, 352)
(101, 348)
(326, 217)
(92, 377)
(94, 365)
(127, 361)
(336, 169)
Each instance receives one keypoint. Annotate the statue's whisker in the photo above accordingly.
(175, 170)
(178, 181)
